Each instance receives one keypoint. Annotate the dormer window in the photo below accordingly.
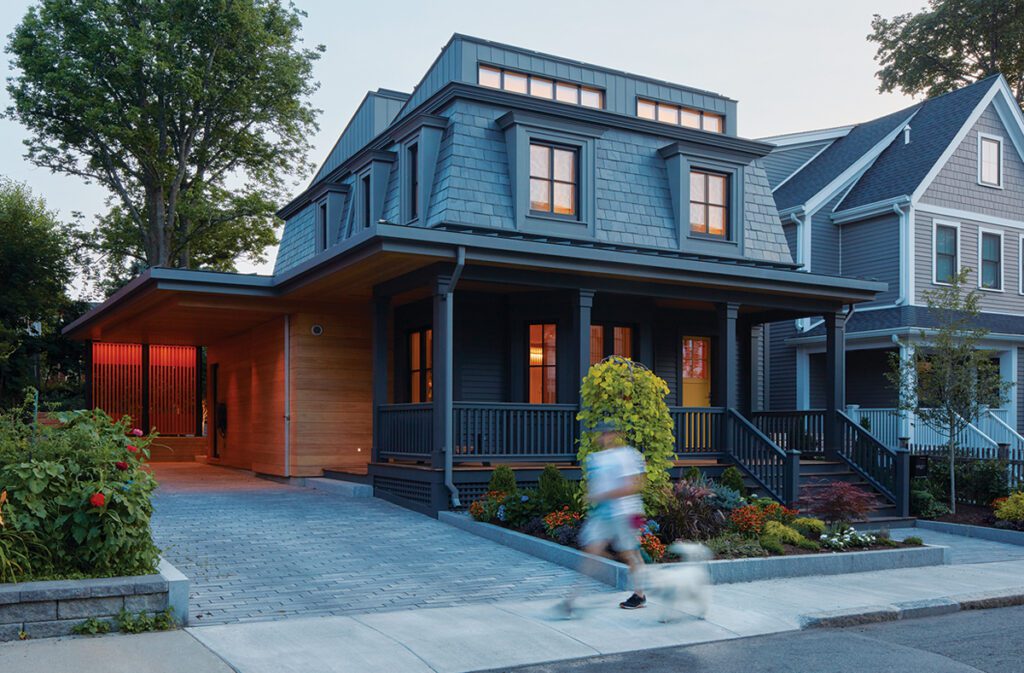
(678, 115)
(540, 87)
(553, 180)
(990, 160)
(709, 214)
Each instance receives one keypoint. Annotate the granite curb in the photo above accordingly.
(1015, 537)
(931, 607)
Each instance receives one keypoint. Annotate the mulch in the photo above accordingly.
(971, 515)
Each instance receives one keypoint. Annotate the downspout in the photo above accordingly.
(449, 390)
(287, 397)
(906, 249)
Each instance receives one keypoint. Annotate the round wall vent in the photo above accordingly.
(317, 330)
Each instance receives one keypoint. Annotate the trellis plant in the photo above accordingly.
(633, 397)
(951, 379)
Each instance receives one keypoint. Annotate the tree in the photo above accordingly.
(191, 113)
(949, 45)
(950, 379)
(37, 259)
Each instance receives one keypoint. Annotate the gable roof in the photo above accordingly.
(902, 167)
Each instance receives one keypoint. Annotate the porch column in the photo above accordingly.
(835, 372)
(728, 356)
(906, 418)
(379, 364)
(442, 371)
(583, 304)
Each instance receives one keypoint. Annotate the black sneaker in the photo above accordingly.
(634, 602)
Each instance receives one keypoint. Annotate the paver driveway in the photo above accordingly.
(259, 550)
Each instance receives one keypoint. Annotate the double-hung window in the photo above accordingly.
(421, 366)
(946, 253)
(619, 337)
(709, 214)
(543, 363)
(990, 255)
(554, 180)
(990, 161)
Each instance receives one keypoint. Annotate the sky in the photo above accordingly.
(792, 64)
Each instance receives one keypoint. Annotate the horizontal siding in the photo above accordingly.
(781, 380)
(785, 161)
(871, 249)
(956, 185)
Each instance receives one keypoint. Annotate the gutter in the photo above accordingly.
(449, 404)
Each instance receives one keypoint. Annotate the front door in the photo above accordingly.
(696, 371)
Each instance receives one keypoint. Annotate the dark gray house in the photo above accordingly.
(907, 199)
(464, 254)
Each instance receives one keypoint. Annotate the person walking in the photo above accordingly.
(615, 478)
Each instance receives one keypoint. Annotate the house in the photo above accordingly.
(909, 198)
(463, 255)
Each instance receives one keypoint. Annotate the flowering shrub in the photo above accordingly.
(560, 518)
(486, 508)
(1010, 508)
(81, 489)
(652, 546)
(846, 537)
(748, 520)
(773, 511)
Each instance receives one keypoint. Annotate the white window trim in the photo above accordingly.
(935, 238)
(998, 139)
(1002, 260)
(1020, 266)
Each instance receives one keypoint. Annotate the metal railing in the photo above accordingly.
(406, 431)
(775, 469)
(884, 468)
(697, 429)
(802, 431)
(484, 431)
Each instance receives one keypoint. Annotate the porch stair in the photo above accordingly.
(816, 474)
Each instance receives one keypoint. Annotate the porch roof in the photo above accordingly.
(195, 307)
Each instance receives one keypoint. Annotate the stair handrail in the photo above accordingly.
(790, 461)
(898, 492)
(967, 427)
(1006, 426)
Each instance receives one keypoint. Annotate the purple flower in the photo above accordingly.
(501, 513)
(524, 498)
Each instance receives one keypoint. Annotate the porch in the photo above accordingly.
(488, 375)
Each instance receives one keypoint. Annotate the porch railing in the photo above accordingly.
(802, 431)
(697, 429)
(512, 431)
(774, 468)
(406, 431)
(884, 468)
(883, 423)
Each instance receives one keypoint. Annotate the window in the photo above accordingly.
(323, 227)
(542, 365)
(421, 369)
(991, 261)
(946, 253)
(553, 180)
(990, 160)
(708, 211)
(367, 215)
(540, 87)
(414, 183)
(621, 342)
(695, 358)
(679, 116)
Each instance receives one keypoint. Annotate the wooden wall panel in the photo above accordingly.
(331, 381)
(251, 384)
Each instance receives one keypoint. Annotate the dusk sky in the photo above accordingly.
(792, 64)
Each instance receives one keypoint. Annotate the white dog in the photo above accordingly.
(678, 586)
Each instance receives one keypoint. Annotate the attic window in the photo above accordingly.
(678, 115)
(990, 160)
(540, 87)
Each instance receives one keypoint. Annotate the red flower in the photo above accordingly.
(132, 448)
(98, 500)
(135, 432)
(121, 465)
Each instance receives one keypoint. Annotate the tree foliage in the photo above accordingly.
(950, 44)
(950, 379)
(37, 258)
(633, 397)
(192, 113)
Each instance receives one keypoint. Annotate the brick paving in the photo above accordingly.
(259, 550)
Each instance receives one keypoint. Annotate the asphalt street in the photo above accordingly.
(966, 642)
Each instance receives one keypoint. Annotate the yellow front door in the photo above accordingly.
(696, 372)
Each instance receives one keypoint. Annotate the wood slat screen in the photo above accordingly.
(172, 389)
(117, 379)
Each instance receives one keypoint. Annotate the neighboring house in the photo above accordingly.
(466, 252)
(907, 199)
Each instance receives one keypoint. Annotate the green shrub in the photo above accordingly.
(554, 490)
(631, 396)
(726, 498)
(21, 555)
(518, 508)
(503, 479)
(142, 622)
(783, 532)
(983, 481)
(81, 491)
(733, 479)
(772, 544)
(914, 540)
(91, 627)
(734, 545)
(924, 505)
(692, 474)
(1011, 509)
(809, 527)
